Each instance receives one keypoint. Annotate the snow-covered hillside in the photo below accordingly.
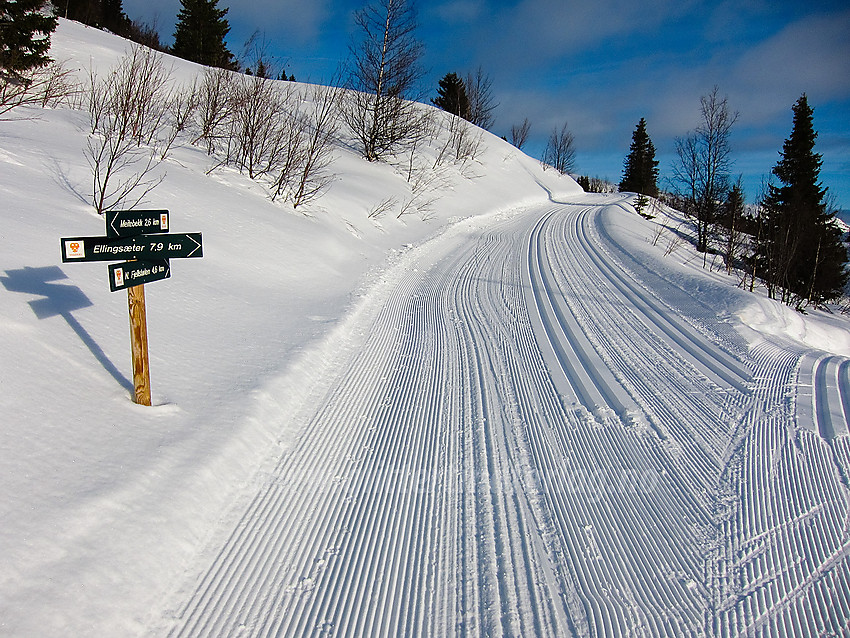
(515, 415)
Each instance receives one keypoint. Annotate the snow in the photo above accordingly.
(478, 421)
(822, 332)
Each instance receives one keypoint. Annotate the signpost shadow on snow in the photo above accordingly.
(59, 300)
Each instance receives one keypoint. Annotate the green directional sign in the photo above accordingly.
(133, 273)
(127, 223)
(140, 247)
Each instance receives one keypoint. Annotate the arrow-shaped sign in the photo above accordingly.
(133, 273)
(127, 223)
(141, 247)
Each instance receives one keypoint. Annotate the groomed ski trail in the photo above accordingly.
(539, 436)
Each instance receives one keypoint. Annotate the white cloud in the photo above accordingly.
(542, 30)
(301, 21)
(811, 55)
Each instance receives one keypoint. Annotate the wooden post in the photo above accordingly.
(139, 344)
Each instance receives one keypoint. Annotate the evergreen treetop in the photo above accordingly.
(452, 97)
(802, 252)
(200, 32)
(25, 29)
(640, 168)
(114, 18)
(799, 166)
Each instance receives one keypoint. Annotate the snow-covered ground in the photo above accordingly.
(516, 417)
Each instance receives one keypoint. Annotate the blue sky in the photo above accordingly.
(601, 65)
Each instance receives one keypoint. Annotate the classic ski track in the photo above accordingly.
(531, 442)
(785, 568)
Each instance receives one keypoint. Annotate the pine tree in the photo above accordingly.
(451, 96)
(200, 32)
(640, 168)
(802, 252)
(26, 28)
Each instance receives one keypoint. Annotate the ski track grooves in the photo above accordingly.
(532, 441)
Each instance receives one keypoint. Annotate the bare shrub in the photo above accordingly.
(519, 133)
(259, 125)
(313, 175)
(306, 138)
(674, 242)
(216, 103)
(273, 131)
(128, 110)
(424, 194)
(560, 152)
(120, 168)
(289, 171)
(479, 90)
(462, 141)
(657, 234)
(181, 107)
(382, 208)
(49, 86)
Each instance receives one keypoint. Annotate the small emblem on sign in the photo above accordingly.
(74, 249)
(119, 277)
(163, 221)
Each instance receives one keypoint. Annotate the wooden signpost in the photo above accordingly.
(138, 239)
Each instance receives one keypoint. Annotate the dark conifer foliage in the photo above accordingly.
(25, 40)
(113, 17)
(451, 96)
(104, 14)
(109, 14)
(731, 223)
(200, 32)
(86, 11)
(801, 254)
(640, 170)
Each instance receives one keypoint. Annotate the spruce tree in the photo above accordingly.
(802, 251)
(200, 32)
(451, 96)
(732, 216)
(640, 168)
(113, 17)
(25, 26)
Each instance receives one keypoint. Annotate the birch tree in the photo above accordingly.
(385, 68)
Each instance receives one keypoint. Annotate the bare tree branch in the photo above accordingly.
(479, 91)
(704, 162)
(519, 134)
(560, 152)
